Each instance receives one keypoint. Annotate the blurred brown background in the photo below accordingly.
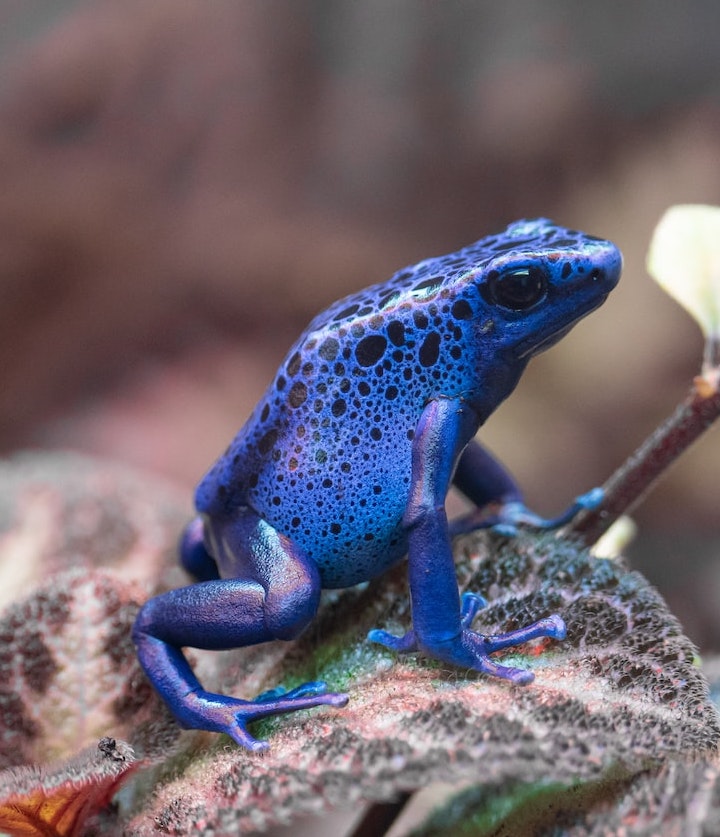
(184, 184)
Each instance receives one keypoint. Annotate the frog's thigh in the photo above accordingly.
(246, 546)
(211, 614)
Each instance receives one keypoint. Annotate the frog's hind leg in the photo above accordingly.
(194, 556)
(274, 594)
(484, 481)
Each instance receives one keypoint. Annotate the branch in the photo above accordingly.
(631, 482)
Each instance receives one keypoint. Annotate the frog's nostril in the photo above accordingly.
(597, 273)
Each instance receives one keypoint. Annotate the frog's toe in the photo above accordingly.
(591, 499)
(518, 676)
(508, 518)
(241, 736)
(315, 687)
(472, 604)
(401, 644)
(302, 697)
(550, 627)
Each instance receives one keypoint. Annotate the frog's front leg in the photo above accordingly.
(485, 482)
(273, 595)
(440, 623)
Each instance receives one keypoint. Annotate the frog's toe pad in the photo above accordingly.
(591, 499)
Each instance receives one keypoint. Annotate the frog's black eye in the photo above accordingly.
(517, 289)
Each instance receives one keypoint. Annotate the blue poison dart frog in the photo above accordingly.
(343, 467)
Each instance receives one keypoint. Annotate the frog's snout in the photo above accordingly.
(609, 267)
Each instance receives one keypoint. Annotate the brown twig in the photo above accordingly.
(631, 482)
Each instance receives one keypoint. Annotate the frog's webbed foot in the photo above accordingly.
(471, 649)
(472, 603)
(508, 518)
(218, 713)
(474, 649)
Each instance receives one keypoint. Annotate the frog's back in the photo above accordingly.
(325, 457)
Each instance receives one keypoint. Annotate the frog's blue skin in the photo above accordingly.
(344, 465)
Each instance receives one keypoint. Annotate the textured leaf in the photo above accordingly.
(68, 671)
(620, 699)
(623, 692)
(673, 799)
(61, 511)
(58, 802)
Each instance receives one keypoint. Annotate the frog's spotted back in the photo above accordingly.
(326, 455)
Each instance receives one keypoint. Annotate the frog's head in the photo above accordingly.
(539, 281)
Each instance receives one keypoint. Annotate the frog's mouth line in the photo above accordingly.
(526, 347)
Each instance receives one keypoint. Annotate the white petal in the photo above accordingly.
(684, 259)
